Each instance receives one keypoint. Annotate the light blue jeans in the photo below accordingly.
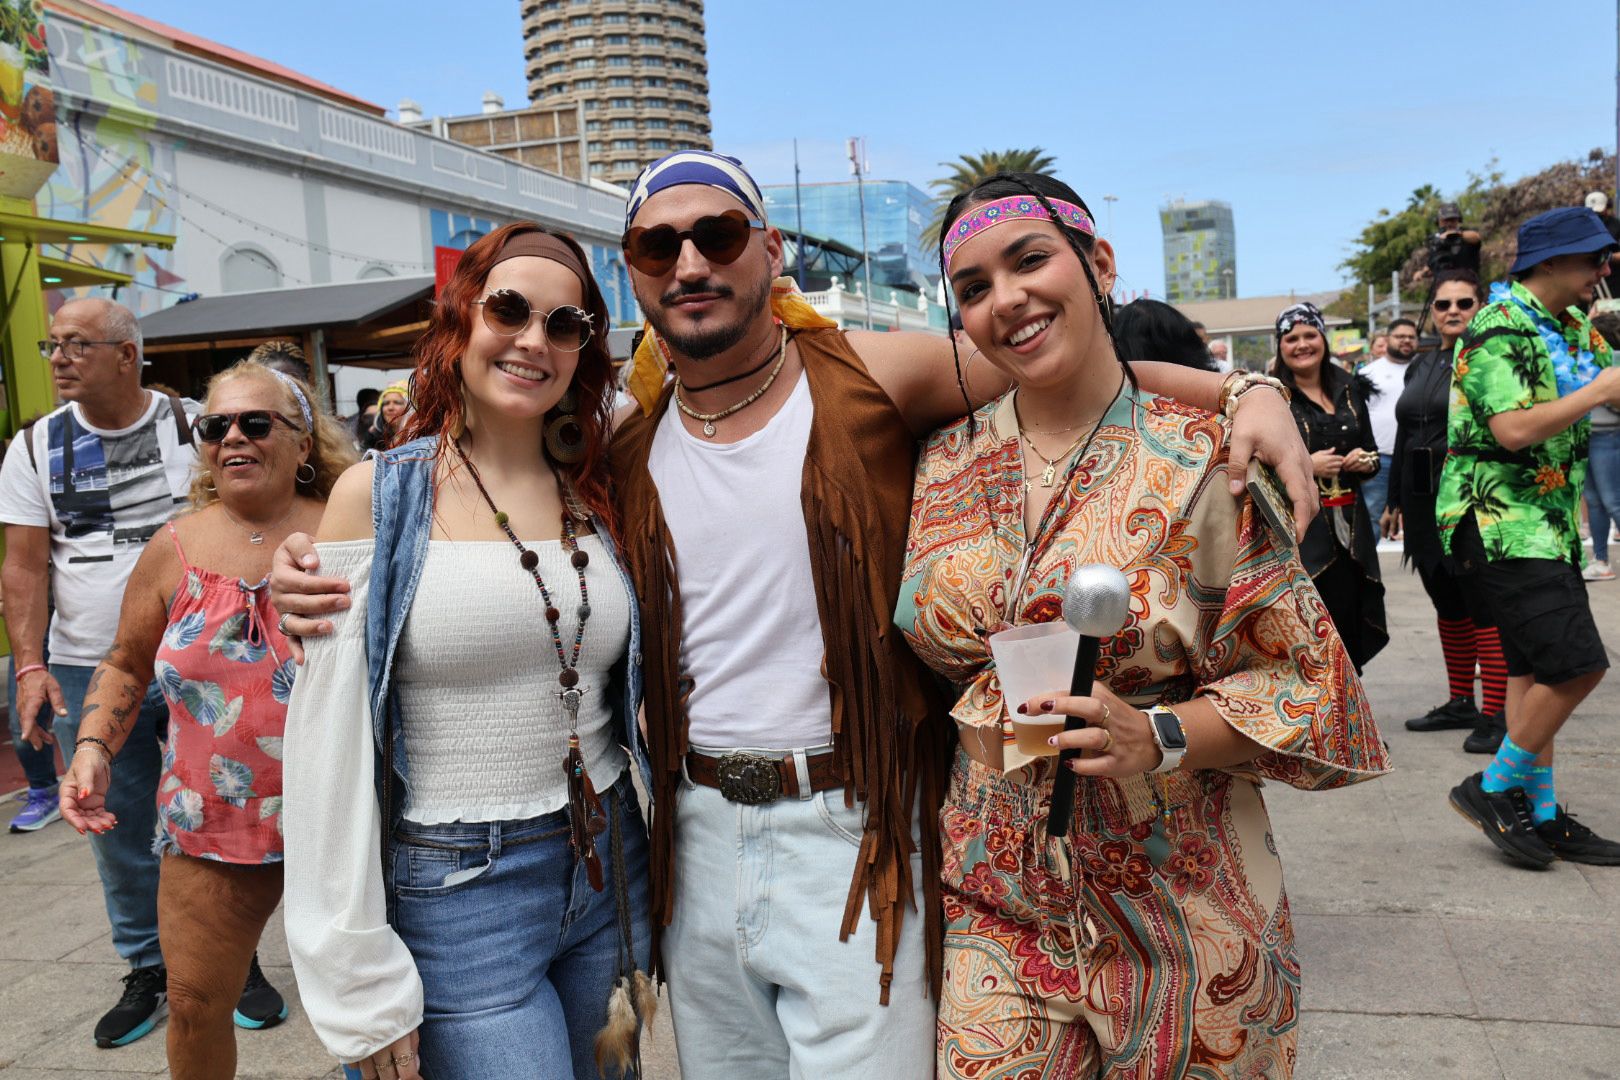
(1375, 489)
(759, 984)
(517, 953)
(124, 856)
(1603, 488)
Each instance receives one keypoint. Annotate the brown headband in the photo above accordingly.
(545, 246)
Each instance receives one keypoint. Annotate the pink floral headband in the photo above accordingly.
(1013, 208)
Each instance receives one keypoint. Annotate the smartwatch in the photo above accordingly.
(1168, 736)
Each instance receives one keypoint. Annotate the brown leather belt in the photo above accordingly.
(755, 779)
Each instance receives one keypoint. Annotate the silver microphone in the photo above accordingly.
(1096, 603)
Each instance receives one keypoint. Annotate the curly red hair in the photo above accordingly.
(436, 400)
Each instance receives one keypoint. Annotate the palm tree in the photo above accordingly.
(967, 171)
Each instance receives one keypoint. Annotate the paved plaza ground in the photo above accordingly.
(1425, 956)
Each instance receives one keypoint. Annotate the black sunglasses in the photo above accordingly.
(508, 314)
(720, 239)
(254, 424)
(1599, 258)
(1465, 303)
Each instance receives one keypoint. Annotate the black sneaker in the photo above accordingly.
(145, 1002)
(1504, 818)
(1487, 736)
(1455, 715)
(1574, 842)
(261, 1006)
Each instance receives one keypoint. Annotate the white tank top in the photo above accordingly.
(750, 634)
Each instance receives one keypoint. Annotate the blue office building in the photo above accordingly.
(896, 215)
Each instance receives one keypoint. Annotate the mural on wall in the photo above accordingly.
(112, 172)
(28, 151)
(458, 231)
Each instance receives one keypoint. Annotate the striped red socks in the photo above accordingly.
(1492, 670)
(1457, 643)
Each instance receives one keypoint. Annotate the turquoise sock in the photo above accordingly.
(1543, 802)
(1510, 768)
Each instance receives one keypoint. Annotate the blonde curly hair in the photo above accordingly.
(331, 449)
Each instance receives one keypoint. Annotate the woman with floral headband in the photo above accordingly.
(1153, 940)
(1340, 549)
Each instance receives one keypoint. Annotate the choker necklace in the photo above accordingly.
(1049, 474)
(586, 818)
(709, 418)
(755, 370)
(256, 536)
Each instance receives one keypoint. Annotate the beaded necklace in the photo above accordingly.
(586, 816)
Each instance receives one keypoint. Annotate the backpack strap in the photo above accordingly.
(26, 433)
(182, 423)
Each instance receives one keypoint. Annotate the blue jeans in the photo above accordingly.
(39, 766)
(1603, 488)
(124, 856)
(1375, 489)
(517, 953)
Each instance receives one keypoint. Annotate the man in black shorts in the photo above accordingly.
(1526, 372)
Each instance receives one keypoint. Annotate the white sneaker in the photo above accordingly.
(1597, 571)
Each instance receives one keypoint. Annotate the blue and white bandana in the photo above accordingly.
(1571, 371)
(696, 167)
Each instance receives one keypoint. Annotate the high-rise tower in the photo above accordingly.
(1200, 251)
(639, 69)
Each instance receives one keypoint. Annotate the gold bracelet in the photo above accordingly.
(1239, 383)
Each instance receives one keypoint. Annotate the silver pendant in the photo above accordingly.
(256, 538)
(708, 428)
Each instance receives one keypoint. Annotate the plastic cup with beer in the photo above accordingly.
(1030, 661)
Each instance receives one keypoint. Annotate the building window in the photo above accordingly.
(596, 147)
(246, 267)
(598, 168)
(618, 61)
(586, 42)
(617, 39)
(658, 144)
(621, 80)
(658, 122)
(624, 125)
(593, 125)
(621, 103)
(580, 20)
(374, 272)
(584, 84)
(656, 103)
(624, 144)
(615, 18)
(652, 82)
(652, 61)
(582, 63)
(652, 40)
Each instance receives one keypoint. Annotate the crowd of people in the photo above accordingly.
(424, 696)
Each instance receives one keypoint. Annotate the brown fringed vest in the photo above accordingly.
(891, 744)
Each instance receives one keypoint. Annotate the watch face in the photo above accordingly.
(1168, 725)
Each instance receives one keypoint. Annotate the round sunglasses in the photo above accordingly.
(254, 424)
(720, 238)
(508, 314)
(1466, 303)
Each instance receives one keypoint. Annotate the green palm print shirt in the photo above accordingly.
(1526, 502)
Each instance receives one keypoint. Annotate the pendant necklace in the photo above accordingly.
(586, 817)
(1049, 474)
(256, 536)
(709, 418)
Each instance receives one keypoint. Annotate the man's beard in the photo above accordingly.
(1399, 356)
(707, 341)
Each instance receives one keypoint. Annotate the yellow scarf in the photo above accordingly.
(650, 366)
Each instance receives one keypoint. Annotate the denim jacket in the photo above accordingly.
(402, 519)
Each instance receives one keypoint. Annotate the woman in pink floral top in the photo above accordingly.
(1154, 940)
(196, 616)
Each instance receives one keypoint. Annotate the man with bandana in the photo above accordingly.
(1527, 371)
(764, 478)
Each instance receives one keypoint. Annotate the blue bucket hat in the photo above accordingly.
(1569, 230)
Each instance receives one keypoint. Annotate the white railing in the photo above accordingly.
(371, 136)
(240, 97)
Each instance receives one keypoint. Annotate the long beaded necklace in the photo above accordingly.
(709, 418)
(586, 817)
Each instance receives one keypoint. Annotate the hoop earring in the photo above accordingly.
(302, 479)
(208, 483)
(968, 366)
(565, 437)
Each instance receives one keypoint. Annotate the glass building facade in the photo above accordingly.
(1200, 251)
(896, 215)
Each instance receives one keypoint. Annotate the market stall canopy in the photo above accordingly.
(371, 323)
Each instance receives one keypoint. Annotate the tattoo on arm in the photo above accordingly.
(124, 691)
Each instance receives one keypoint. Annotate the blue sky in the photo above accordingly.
(1308, 118)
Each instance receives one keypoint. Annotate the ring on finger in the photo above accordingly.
(281, 624)
(403, 1059)
(1109, 745)
(1106, 712)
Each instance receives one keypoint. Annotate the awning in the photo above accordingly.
(271, 312)
(27, 228)
(73, 274)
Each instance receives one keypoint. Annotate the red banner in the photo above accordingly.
(445, 260)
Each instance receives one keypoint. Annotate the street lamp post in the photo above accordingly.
(857, 165)
(1226, 274)
(1110, 200)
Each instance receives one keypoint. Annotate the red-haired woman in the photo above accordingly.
(466, 862)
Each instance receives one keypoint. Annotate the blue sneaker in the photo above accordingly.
(40, 810)
(261, 1006)
(145, 1002)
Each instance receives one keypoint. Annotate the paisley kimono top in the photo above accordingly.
(1219, 606)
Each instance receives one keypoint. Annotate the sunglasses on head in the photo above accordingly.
(254, 424)
(508, 314)
(1464, 303)
(721, 239)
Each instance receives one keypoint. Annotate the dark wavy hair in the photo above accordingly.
(1332, 375)
(1043, 189)
(1153, 330)
(437, 407)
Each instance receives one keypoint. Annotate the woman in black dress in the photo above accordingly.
(1340, 550)
(1468, 634)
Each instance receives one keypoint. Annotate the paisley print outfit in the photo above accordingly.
(1155, 942)
(227, 674)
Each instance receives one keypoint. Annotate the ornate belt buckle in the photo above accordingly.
(749, 779)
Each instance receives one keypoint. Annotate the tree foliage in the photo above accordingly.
(967, 171)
